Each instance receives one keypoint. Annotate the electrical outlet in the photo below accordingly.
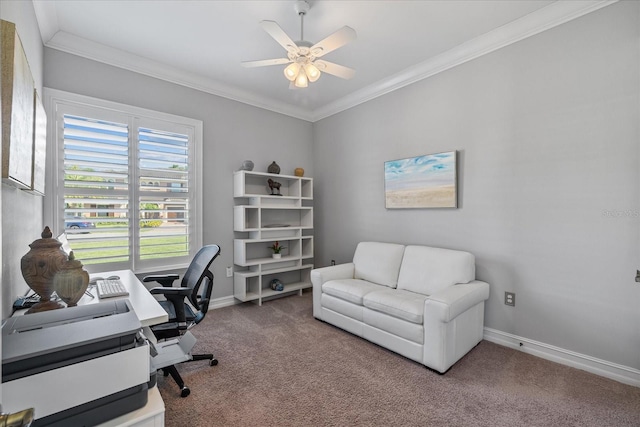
(510, 298)
(229, 271)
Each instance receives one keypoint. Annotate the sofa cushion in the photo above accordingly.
(373, 319)
(398, 303)
(351, 290)
(378, 262)
(346, 308)
(427, 270)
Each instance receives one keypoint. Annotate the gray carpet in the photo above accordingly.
(281, 367)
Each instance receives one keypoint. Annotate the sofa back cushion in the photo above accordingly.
(427, 270)
(378, 262)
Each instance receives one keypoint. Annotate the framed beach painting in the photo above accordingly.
(428, 181)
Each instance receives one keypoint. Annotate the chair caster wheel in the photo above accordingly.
(185, 392)
(213, 362)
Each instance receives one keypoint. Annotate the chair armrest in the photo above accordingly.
(176, 296)
(455, 300)
(324, 274)
(182, 292)
(164, 279)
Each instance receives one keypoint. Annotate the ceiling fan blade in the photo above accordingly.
(279, 35)
(265, 62)
(335, 69)
(338, 39)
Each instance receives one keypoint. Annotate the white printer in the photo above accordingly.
(78, 366)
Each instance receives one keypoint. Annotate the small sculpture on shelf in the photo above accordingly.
(298, 172)
(247, 165)
(39, 267)
(274, 186)
(276, 285)
(273, 168)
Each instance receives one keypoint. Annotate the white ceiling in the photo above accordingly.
(200, 44)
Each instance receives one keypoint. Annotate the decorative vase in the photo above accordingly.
(298, 172)
(276, 256)
(39, 267)
(247, 165)
(71, 281)
(273, 168)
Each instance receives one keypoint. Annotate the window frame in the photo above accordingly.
(58, 103)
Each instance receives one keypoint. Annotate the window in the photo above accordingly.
(128, 183)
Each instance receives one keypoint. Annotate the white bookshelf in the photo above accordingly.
(259, 220)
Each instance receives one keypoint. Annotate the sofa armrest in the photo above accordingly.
(453, 323)
(325, 274)
(455, 300)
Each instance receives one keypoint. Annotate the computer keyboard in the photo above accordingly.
(108, 288)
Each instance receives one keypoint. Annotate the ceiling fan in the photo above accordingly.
(302, 56)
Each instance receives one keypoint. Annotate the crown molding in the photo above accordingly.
(529, 25)
(536, 22)
(47, 18)
(98, 52)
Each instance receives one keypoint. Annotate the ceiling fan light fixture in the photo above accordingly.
(292, 71)
(301, 57)
(312, 72)
(301, 80)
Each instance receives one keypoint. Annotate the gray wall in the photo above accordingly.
(547, 132)
(233, 132)
(21, 212)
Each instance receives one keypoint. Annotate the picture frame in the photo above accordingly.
(18, 88)
(38, 163)
(427, 181)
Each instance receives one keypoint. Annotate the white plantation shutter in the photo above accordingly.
(163, 193)
(128, 184)
(96, 188)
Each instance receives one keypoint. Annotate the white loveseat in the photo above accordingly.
(421, 302)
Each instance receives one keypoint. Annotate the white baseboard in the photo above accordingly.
(222, 302)
(620, 373)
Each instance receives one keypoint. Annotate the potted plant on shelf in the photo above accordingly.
(276, 248)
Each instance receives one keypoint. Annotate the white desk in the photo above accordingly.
(147, 309)
(149, 313)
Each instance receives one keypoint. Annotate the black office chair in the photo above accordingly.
(195, 288)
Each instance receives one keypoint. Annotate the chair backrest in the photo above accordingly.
(200, 280)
